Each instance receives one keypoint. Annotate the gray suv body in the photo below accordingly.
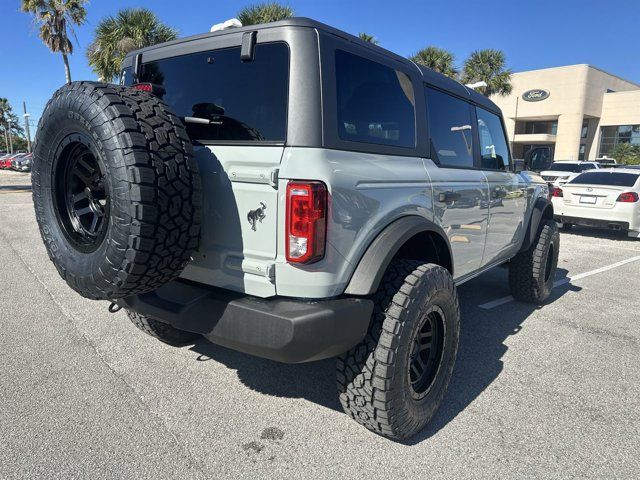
(334, 171)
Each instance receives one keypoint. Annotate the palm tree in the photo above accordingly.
(264, 13)
(368, 38)
(56, 19)
(488, 66)
(129, 30)
(437, 59)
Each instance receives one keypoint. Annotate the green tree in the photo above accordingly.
(264, 13)
(9, 119)
(626, 153)
(368, 38)
(56, 19)
(437, 59)
(130, 29)
(488, 66)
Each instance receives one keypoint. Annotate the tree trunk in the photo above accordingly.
(67, 70)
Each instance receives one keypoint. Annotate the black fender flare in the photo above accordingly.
(540, 209)
(368, 274)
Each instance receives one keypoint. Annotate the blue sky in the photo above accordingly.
(533, 34)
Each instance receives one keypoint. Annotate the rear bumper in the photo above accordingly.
(621, 217)
(281, 329)
(593, 222)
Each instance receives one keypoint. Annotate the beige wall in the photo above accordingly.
(575, 91)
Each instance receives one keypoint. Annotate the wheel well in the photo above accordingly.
(428, 247)
(548, 212)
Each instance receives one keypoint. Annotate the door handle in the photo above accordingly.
(446, 197)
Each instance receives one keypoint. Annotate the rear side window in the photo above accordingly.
(494, 152)
(450, 127)
(376, 104)
(222, 98)
(617, 179)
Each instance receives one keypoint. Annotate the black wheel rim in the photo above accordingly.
(81, 196)
(549, 264)
(426, 353)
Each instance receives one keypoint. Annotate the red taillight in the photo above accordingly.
(556, 192)
(306, 221)
(628, 197)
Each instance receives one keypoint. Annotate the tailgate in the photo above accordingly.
(239, 229)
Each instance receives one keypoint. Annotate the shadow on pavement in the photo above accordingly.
(482, 345)
(580, 231)
(15, 187)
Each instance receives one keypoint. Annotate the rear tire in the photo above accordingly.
(162, 331)
(532, 272)
(393, 382)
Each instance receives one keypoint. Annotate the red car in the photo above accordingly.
(5, 162)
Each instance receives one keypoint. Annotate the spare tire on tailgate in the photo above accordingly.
(116, 190)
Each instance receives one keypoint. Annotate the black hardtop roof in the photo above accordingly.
(430, 76)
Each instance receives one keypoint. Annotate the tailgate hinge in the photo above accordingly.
(273, 178)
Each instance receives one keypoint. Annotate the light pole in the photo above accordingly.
(26, 126)
(10, 139)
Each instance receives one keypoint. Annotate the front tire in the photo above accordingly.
(532, 272)
(393, 381)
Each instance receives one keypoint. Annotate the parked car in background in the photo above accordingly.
(7, 162)
(607, 198)
(606, 162)
(561, 171)
(22, 163)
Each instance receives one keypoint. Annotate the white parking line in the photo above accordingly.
(563, 281)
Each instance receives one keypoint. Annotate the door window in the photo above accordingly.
(494, 152)
(376, 103)
(450, 127)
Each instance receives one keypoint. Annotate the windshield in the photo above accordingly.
(571, 167)
(616, 179)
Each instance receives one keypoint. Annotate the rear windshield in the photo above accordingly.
(570, 167)
(616, 179)
(222, 98)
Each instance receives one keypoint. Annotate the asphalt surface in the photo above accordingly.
(552, 392)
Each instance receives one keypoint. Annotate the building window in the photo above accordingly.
(535, 128)
(611, 136)
(581, 151)
(585, 129)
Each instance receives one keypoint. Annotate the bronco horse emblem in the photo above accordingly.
(256, 215)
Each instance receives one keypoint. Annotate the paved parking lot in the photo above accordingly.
(550, 393)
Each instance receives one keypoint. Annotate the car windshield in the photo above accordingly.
(571, 167)
(617, 179)
(564, 167)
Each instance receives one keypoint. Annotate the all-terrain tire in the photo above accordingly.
(162, 331)
(532, 272)
(374, 380)
(136, 153)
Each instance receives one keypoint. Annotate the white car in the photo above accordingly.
(560, 171)
(607, 198)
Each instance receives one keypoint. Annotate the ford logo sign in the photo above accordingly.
(536, 95)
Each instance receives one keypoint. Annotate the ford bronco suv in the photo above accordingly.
(292, 192)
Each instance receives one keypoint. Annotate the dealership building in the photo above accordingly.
(580, 112)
